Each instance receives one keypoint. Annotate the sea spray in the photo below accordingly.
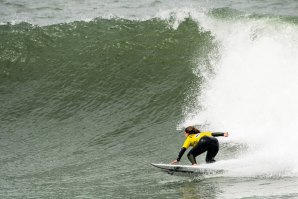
(254, 92)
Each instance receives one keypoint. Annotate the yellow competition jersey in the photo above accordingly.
(193, 139)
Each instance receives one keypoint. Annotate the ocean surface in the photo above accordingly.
(92, 92)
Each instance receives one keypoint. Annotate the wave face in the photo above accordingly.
(89, 66)
(82, 96)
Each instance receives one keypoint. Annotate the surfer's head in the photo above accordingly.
(191, 130)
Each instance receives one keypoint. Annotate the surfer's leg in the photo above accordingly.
(212, 150)
(191, 158)
(198, 149)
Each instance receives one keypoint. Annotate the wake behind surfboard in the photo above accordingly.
(186, 169)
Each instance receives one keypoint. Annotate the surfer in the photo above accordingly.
(201, 142)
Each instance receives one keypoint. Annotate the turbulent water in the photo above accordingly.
(92, 92)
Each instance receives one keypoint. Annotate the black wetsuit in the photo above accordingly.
(209, 144)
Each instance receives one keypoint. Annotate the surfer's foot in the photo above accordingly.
(210, 161)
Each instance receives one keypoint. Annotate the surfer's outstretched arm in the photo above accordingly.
(182, 151)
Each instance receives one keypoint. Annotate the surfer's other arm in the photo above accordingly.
(217, 134)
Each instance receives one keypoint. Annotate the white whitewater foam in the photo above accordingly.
(254, 93)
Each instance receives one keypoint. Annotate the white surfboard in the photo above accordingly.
(187, 169)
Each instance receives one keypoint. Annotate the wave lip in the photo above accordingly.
(54, 12)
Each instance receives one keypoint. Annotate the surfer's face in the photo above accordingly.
(186, 134)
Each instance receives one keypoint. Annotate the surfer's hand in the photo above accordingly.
(174, 162)
(226, 134)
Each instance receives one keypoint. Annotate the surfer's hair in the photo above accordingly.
(192, 130)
